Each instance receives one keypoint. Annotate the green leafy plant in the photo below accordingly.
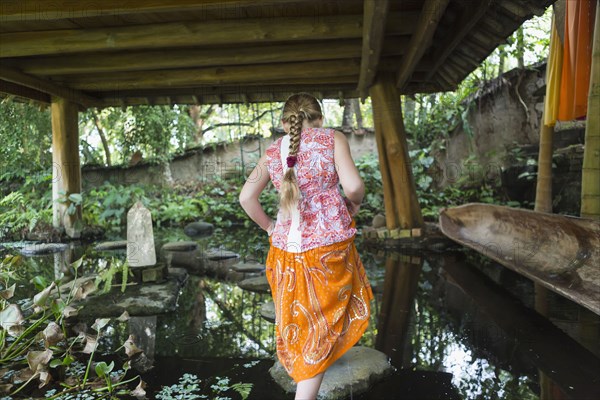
(190, 387)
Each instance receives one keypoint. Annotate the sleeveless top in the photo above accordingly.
(320, 216)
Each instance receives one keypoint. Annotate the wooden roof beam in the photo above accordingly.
(13, 89)
(197, 34)
(463, 26)
(333, 71)
(41, 85)
(375, 14)
(44, 10)
(432, 12)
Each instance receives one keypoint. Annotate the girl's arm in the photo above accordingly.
(353, 186)
(253, 187)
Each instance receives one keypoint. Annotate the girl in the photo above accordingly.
(317, 280)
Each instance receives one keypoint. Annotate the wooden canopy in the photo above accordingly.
(117, 53)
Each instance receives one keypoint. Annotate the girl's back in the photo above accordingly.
(321, 216)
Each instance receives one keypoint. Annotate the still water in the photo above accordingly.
(454, 326)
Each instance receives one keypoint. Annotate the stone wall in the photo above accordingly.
(203, 165)
(504, 114)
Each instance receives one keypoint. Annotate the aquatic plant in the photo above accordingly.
(189, 387)
(36, 346)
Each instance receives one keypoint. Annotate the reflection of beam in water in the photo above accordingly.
(575, 369)
(231, 317)
(400, 287)
(144, 330)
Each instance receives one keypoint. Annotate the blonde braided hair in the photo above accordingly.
(297, 108)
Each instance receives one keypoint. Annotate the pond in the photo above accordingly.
(454, 325)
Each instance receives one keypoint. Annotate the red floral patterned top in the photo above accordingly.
(324, 216)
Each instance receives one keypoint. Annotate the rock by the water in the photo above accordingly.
(258, 284)
(116, 245)
(140, 237)
(137, 300)
(219, 254)
(197, 229)
(378, 221)
(351, 374)
(192, 261)
(267, 311)
(43, 248)
(180, 246)
(248, 267)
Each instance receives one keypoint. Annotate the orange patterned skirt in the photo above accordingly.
(322, 308)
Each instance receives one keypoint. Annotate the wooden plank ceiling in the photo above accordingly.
(115, 52)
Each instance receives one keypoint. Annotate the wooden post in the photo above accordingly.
(66, 169)
(395, 165)
(590, 179)
(543, 190)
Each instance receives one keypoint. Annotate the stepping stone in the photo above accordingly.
(219, 254)
(180, 246)
(116, 245)
(350, 375)
(43, 248)
(248, 267)
(258, 284)
(267, 311)
(198, 229)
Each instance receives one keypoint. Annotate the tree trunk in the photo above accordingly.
(102, 137)
(502, 61)
(347, 116)
(590, 180)
(520, 47)
(357, 113)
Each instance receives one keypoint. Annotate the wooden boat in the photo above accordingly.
(557, 251)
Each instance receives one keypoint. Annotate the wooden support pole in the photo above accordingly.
(590, 179)
(543, 189)
(393, 149)
(66, 168)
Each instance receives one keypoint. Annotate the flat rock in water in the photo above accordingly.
(219, 254)
(248, 267)
(116, 245)
(197, 229)
(43, 248)
(258, 284)
(138, 300)
(350, 375)
(180, 246)
(267, 311)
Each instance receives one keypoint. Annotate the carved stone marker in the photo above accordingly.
(140, 237)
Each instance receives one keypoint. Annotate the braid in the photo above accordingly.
(295, 129)
(297, 109)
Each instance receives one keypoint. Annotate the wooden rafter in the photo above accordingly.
(41, 85)
(465, 23)
(193, 58)
(13, 89)
(375, 14)
(40, 10)
(319, 71)
(200, 33)
(432, 12)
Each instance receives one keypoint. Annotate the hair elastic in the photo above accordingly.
(291, 161)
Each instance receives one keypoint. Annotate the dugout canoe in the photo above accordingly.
(562, 253)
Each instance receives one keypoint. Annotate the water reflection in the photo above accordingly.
(450, 331)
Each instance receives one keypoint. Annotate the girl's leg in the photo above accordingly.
(308, 388)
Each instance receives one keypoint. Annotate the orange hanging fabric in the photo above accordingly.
(577, 50)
